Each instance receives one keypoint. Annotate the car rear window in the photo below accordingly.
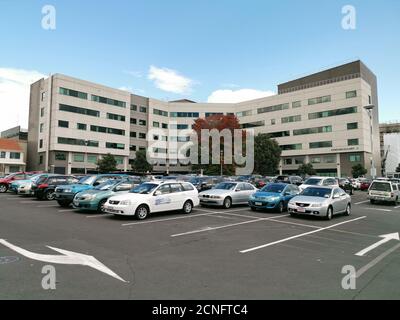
(313, 181)
(381, 186)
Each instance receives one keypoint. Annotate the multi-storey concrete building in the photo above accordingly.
(320, 119)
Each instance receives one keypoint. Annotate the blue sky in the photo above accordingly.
(194, 48)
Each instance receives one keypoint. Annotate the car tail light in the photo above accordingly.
(43, 186)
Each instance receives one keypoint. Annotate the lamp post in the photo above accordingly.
(85, 156)
(370, 108)
(222, 162)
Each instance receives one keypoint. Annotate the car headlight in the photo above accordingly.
(67, 190)
(317, 205)
(88, 196)
(215, 197)
(125, 203)
(273, 199)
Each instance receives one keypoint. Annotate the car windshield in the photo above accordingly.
(381, 186)
(225, 186)
(106, 185)
(35, 179)
(144, 188)
(273, 188)
(87, 180)
(313, 181)
(317, 192)
(195, 180)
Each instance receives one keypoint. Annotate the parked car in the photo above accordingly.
(7, 180)
(17, 183)
(321, 202)
(274, 196)
(346, 185)
(296, 180)
(152, 197)
(226, 194)
(94, 199)
(205, 183)
(319, 181)
(65, 193)
(24, 187)
(383, 191)
(44, 188)
(364, 184)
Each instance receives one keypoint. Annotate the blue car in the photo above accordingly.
(65, 194)
(274, 196)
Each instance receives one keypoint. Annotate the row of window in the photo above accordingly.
(89, 143)
(11, 155)
(317, 145)
(134, 134)
(142, 109)
(141, 122)
(82, 126)
(157, 125)
(184, 114)
(160, 112)
(83, 95)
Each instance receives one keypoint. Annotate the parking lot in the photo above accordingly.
(210, 254)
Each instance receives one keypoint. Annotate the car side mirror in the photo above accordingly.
(336, 196)
(287, 194)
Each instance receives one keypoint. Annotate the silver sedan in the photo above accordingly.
(321, 202)
(226, 194)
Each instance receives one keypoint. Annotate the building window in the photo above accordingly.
(117, 117)
(160, 112)
(296, 104)
(288, 161)
(318, 100)
(2, 155)
(329, 159)
(143, 109)
(351, 94)
(41, 143)
(279, 134)
(331, 113)
(15, 155)
(133, 121)
(300, 132)
(289, 147)
(156, 137)
(133, 107)
(142, 122)
(63, 124)
(316, 160)
(133, 134)
(84, 111)
(352, 142)
(41, 127)
(100, 129)
(179, 126)
(244, 113)
(40, 159)
(184, 114)
(92, 159)
(113, 145)
(278, 107)
(78, 157)
(369, 100)
(210, 114)
(60, 156)
(273, 122)
(252, 125)
(119, 160)
(142, 135)
(77, 142)
(43, 96)
(164, 126)
(321, 144)
(156, 124)
(41, 112)
(299, 160)
(132, 148)
(73, 93)
(81, 126)
(355, 158)
(291, 119)
(109, 101)
(352, 126)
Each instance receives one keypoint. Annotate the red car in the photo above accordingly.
(6, 181)
(364, 185)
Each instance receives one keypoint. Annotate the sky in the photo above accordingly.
(203, 50)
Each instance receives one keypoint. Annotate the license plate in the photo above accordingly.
(258, 203)
(301, 210)
(112, 210)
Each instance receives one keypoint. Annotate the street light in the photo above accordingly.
(84, 160)
(222, 163)
(370, 108)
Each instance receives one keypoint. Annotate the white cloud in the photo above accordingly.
(14, 96)
(235, 96)
(136, 74)
(170, 80)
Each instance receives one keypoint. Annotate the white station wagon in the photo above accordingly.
(154, 196)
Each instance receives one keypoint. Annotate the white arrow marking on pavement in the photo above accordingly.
(67, 257)
(386, 238)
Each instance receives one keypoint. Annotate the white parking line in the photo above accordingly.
(29, 202)
(377, 209)
(397, 207)
(178, 218)
(299, 235)
(66, 210)
(226, 226)
(100, 215)
(48, 206)
(362, 202)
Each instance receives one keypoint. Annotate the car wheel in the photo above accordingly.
(3, 188)
(50, 195)
(253, 209)
(227, 203)
(293, 214)
(280, 207)
(187, 207)
(372, 201)
(329, 213)
(348, 210)
(142, 212)
(63, 204)
(100, 207)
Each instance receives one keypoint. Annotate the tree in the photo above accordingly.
(358, 170)
(140, 163)
(219, 122)
(267, 154)
(107, 163)
(306, 169)
(398, 168)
